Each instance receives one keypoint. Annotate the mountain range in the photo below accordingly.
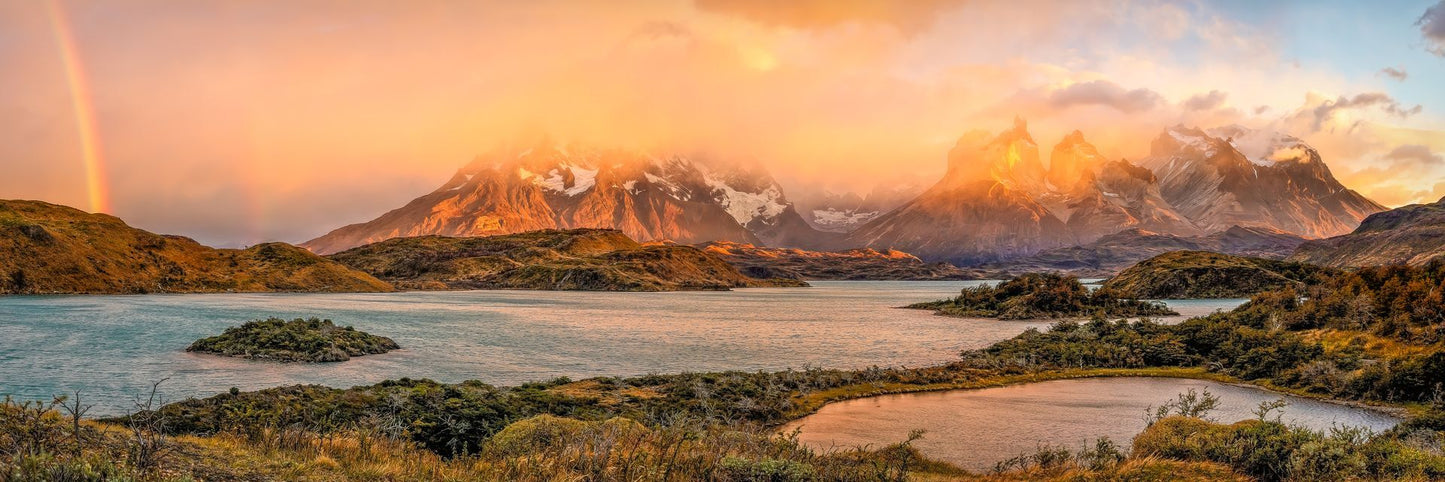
(997, 201)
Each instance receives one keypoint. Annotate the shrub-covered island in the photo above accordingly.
(1036, 296)
(298, 340)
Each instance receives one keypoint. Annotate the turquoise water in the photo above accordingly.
(977, 428)
(113, 347)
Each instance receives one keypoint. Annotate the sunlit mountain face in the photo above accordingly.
(825, 125)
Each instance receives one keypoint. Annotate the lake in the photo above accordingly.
(977, 428)
(113, 347)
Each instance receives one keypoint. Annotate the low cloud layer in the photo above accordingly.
(1416, 153)
(1210, 101)
(1329, 109)
(1106, 93)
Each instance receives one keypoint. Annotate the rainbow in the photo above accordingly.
(84, 106)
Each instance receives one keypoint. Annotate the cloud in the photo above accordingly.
(1328, 109)
(1432, 27)
(1415, 153)
(1103, 92)
(1210, 101)
(1395, 73)
(908, 17)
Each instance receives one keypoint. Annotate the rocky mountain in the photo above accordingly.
(856, 264)
(552, 186)
(577, 259)
(47, 248)
(1413, 235)
(1096, 196)
(997, 201)
(1112, 253)
(1234, 176)
(1204, 274)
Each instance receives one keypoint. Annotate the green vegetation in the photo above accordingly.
(576, 259)
(1371, 335)
(310, 340)
(1204, 274)
(1034, 296)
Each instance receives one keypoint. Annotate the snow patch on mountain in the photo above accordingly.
(831, 218)
(748, 206)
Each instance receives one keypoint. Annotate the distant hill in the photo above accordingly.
(1412, 235)
(1115, 252)
(576, 259)
(1203, 274)
(856, 264)
(48, 248)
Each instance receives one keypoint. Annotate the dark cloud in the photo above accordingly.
(1432, 27)
(1103, 92)
(1261, 109)
(1415, 153)
(1210, 101)
(1325, 111)
(908, 17)
(1398, 74)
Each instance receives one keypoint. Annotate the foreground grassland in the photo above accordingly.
(1371, 336)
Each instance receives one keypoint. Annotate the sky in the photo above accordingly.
(236, 122)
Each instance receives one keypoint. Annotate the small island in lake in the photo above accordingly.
(298, 340)
(1041, 296)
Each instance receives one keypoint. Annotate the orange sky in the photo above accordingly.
(241, 121)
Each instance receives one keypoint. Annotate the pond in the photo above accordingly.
(977, 428)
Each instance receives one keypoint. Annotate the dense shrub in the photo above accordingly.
(310, 340)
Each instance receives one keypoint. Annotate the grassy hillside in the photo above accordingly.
(47, 248)
(578, 259)
(1413, 235)
(1204, 274)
